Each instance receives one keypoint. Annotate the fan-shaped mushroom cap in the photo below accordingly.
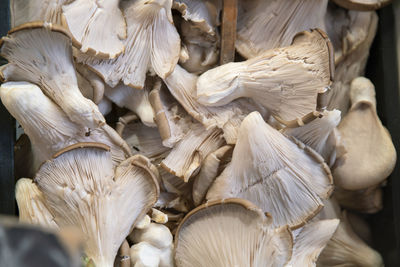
(371, 155)
(346, 249)
(23, 11)
(97, 27)
(286, 81)
(48, 127)
(362, 5)
(321, 135)
(232, 232)
(152, 43)
(281, 176)
(279, 20)
(310, 241)
(186, 157)
(41, 53)
(31, 204)
(182, 86)
(82, 189)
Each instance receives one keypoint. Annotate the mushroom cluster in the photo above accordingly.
(268, 160)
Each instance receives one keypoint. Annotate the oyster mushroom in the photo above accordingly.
(41, 53)
(97, 27)
(362, 5)
(310, 241)
(346, 249)
(134, 100)
(321, 135)
(371, 155)
(286, 81)
(94, 80)
(182, 86)
(172, 120)
(280, 175)
(367, 200)
(48, 127)
(210, 169)
(186, 157)
(83, 189)
(152, 43)
(232, 232)
(279, 20)
(32, 204)
(23, 11)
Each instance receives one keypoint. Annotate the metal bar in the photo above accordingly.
(228, 31)
(7, 137)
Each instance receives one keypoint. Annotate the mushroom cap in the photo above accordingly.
(41, 53)
(97, 27)
(32, 204)
(152, 43)
(230, 232)
(362, 5)
(371, 155)
(82, 189)
(279, 20)
(310, 241)
(23, 11)
(286, 81)
(280, 175)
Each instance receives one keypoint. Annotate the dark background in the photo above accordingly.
(381, 69)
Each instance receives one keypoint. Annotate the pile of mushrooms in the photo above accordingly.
(268, 160)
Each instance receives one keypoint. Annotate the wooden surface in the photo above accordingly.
(228, 31)
(7, 137)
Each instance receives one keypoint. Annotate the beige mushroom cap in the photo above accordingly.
(231, 232)
(362, 5)
(82, 189)
(371, 155)
(280, 175)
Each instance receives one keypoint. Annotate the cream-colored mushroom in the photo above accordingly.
(152, 43)
(210, 169)
(321, 135)
(310, 241)
(48, 127)
(346, 249)
(94, 80)
(23, 11)
(232, 232)
(287, 81)
(83, 189)
(279, 20)
(32, 204)
(186, 157)
(280, 175)
(41, 53)
(367, 200)
(97, 27)
(134, 100)
(172, 120)
(182, 86)
(371, 155)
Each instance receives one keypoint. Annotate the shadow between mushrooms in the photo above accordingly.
(231, 232)
(278, 174)
(82, 188)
